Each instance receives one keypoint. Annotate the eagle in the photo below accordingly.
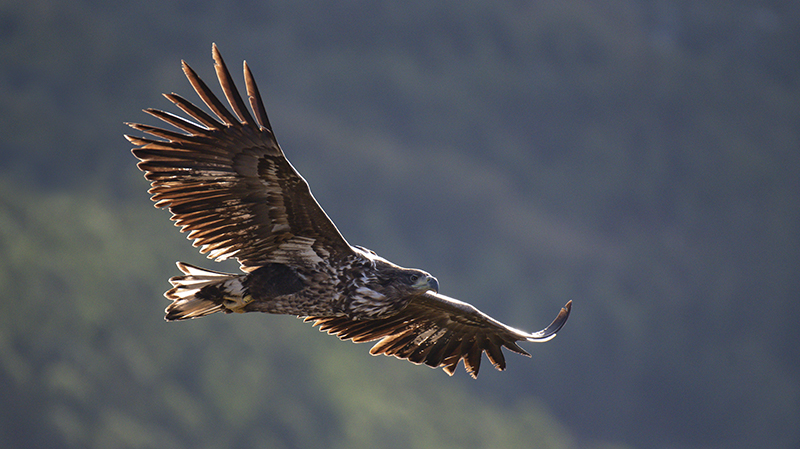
(229, 186)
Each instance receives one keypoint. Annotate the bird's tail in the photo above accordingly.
(201, 292)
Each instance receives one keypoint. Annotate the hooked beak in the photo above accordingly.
(433, 284)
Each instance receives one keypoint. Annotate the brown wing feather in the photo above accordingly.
(440, 331)
(227, 182)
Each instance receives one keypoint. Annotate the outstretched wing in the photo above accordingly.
(227, 182)
(439, 331)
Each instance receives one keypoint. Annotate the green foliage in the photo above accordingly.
(86, 353)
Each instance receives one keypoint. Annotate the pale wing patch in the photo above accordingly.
(296, 248)
(432, 335)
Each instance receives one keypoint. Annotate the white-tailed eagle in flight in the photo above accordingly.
(228, 184)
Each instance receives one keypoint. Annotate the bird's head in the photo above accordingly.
(389, 276)
(421, 281)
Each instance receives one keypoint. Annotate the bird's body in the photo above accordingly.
(365, 286)
(228, 184)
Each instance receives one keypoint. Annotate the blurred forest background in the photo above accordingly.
(638, 157)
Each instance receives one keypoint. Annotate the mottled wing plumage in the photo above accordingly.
(439, 331)
(227, 182)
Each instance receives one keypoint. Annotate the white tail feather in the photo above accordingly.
(184, 292)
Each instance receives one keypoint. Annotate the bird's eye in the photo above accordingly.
(414, 278)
